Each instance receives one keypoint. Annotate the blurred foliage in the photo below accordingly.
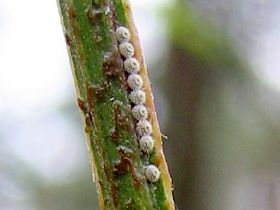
(77, 192)
(219, 132)
(199, 37)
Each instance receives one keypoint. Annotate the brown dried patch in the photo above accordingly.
(87, 129)
(67, 39)
(111, 180)
(112, 14)
(101, 89)
(94, 13)
(97, 92)
(125, 164)
(121, 166)
(71, 12)
(90, 97)
(123, 81)
(72, 17)
(90, 100)
(121, 119)
(112, 64)
(88, 120)
(82, 105)
(113, 134)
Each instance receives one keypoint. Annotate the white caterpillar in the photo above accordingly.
(131, 66)
(126, 49)
(134, 81)
(143, 128)
(152, 173)
(139, 112)
(122, 34)
(146, 144)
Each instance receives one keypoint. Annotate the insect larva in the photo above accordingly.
(146, 144)
(122, 34)
(152, 173)
(143, 128)
(139, 112)
(131, 65)
(126, 49)
(134, 81)
(137, 97)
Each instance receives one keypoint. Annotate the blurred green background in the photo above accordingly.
(215, 71)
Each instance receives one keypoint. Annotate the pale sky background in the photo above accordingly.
(35, 78)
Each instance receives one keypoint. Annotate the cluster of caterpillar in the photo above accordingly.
(137, 99)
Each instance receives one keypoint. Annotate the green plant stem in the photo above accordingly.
(101, 89)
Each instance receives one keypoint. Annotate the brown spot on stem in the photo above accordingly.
(68, 40)
(93, 14)
(125, 164)
(111, 8)
(101, 89)
(114, 195)
(90, 97)
(121, 119)
(88, 120)
(71, 12)
(123, 81)
(87, 129)
(95, 93)
(119, 167)
(112, 64)
(95, 5)
(72, 17)
(82, 105)
(90, 102)
(112, 183)
(113, 134)
(99, 92)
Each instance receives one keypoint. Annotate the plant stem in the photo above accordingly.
(102, 96)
